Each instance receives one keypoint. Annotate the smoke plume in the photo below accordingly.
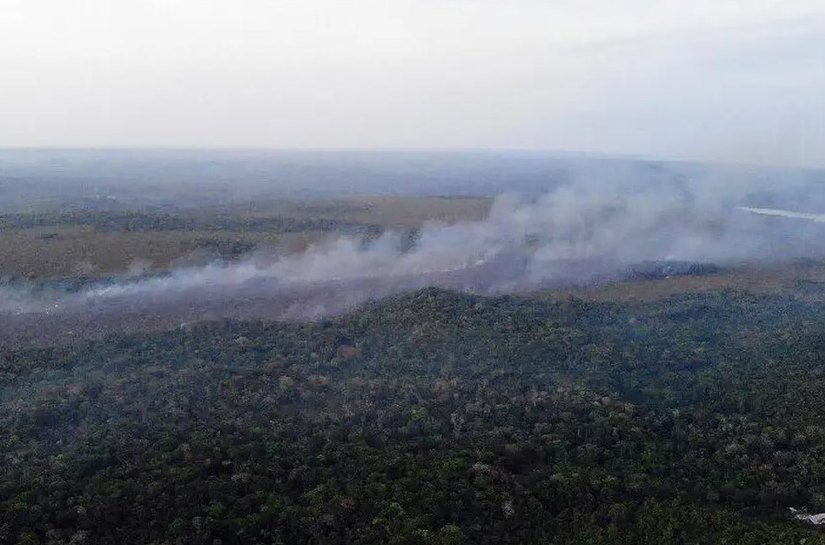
(578, 233)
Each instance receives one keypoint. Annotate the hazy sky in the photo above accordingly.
(710, 79)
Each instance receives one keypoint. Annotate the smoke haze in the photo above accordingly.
(584, 232)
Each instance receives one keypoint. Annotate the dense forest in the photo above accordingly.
(428, 418)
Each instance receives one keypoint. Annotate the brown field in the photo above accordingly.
(69, 251)
(407, 212)
(65, 250)
(803, 280)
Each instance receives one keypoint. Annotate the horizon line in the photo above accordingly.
(566, 153)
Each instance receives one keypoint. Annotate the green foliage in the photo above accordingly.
(459, 419)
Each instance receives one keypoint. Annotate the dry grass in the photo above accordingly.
(407, 212)
(65, 250)
(800, 280)
(83, 251)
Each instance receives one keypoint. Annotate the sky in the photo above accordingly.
(720, 80)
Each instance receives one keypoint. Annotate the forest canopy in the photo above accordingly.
(432, 417)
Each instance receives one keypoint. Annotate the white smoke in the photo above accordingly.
(577, 233)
